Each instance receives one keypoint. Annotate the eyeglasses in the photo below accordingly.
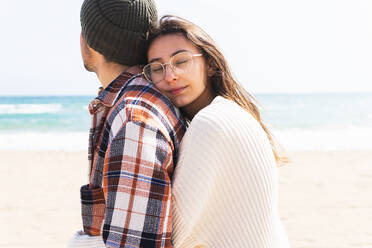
(179, 63)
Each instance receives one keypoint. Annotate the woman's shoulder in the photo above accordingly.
(223, 113)
(225, 126)
(223, 123)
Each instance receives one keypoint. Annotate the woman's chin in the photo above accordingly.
(179, 103)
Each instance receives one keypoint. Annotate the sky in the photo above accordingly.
(287, 46)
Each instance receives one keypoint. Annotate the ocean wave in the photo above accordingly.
(351, 138)
(69, 141)
(355, 138)
(12, 109)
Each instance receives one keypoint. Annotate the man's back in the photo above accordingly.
(134, 135)
(134, 141)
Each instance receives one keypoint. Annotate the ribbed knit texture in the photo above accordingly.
(225, 187)
(118, 28)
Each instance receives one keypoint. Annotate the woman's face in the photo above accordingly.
(188, 89)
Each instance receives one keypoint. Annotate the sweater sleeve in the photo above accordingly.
(225, 185)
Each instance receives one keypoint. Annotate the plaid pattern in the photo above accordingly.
(93, 209)
(133, 145)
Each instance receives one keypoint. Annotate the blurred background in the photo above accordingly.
(308, 63)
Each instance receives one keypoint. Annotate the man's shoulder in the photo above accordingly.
(140, 88)
(139, 93)
(141, 101)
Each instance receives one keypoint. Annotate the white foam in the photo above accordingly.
(292, 139)
(352, 138)
(29, 108)
(44, 141)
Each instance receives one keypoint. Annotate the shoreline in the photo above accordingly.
(324, 197)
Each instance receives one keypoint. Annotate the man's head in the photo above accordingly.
(116, 30)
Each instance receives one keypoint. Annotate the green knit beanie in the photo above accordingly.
(118, 29)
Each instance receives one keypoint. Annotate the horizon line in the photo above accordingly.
(254, 93)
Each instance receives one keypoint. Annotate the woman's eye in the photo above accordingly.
(182, 61)
(157, 70)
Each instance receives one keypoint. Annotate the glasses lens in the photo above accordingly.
(182, 62)
(154, 72)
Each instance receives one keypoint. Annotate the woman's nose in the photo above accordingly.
(170, 76)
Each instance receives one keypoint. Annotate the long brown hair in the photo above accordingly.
(222, 81)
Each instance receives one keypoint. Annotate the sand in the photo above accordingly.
(325, 198)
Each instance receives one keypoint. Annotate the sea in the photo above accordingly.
(338, 121)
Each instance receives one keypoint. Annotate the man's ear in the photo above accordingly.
(210, 71)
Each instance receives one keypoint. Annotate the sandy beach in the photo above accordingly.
(325, 198)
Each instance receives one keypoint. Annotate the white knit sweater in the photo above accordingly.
(225, 187)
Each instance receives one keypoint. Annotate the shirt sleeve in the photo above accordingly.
(138, 188)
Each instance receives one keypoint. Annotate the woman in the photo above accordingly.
(225, 185)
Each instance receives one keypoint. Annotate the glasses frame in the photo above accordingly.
(170, 65)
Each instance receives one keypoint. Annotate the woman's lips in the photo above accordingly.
(177, 91)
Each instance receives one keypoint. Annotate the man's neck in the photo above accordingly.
(107, 72)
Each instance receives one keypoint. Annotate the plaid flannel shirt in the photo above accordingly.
(133, 147)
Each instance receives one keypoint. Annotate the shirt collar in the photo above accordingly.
(108, 95)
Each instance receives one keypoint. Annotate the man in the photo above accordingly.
(134, 136)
